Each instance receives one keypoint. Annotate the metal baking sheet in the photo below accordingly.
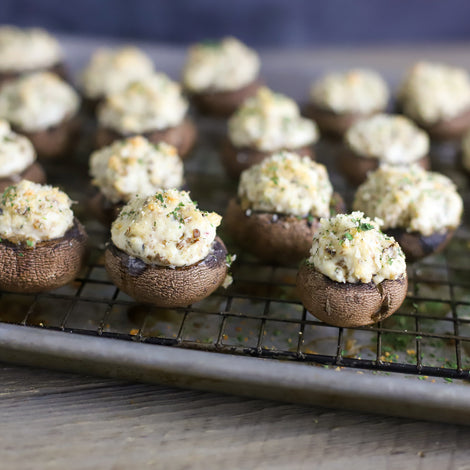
(255, 338)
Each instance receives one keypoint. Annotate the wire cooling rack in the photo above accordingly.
(260, 314)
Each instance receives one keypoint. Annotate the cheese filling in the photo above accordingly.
(270, 121)
(286, 183)
(16, 152)
(38, 101)
(433, 92)
(135, 166)
(26, 49)
(111, 70)
(165, 229)
(153, 103)
(31, 213)
(390, 139)
(410, 198)
(354, 91)
(351, 248)
(224, 65)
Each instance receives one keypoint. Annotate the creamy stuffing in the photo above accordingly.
(32, 213)
(224, 65)
(286, 183)
(352, 248)
(135, 166)
(111, 70)
(353, 91)
(166, 229)
(388, 138)
(16, 152)
(410, 198)
(433, 92)
(271, 121)
(27, 49)
(153, 103)
(38, 101)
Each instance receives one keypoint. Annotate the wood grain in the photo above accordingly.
(55, 420)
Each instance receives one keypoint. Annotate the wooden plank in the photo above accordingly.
(58, 420)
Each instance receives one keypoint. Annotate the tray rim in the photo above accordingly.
(226, 373)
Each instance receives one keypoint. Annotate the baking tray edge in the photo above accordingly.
(246, 376)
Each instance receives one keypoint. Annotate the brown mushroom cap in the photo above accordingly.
(183, 136)
(35, 173)
(450, 129)
(104, 210)
(55, 141)
(237, 159)
(274, 238)
(223, 103)
(346, 304)
(334, 124)
(417, 246)
(163, 286)
(355, 167)
(59, 69)
(48, 265)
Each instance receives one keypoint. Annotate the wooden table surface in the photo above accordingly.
(56, 420)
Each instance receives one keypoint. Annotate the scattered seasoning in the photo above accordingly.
(364, 227)
(30, 243)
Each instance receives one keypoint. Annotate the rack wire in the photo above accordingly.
(260, 314)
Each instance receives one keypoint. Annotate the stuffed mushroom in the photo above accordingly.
(42, 245)
(44, 108)
(128, 167)
(27, 50)
(110, 71)
(382, 139)
(264, 124)
(338, 100)
(279, 204)
(154, 107)
(355, 275)
(165, 251)
(437, 98)
(219, 75)
(421, 209)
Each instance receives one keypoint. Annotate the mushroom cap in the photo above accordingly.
(59, 69)
(35, 173)
(355, 167)
(274, 238)
(104, 210)
(48, 265)
(449, 129)
(332, 123)
(417, 246)
(237, 159)
(55, 141)
(183, 136)
(223, 103)
(163, 286)
(346, 304)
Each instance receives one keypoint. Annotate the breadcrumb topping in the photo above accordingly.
(223, 65)
(286, 183)
(353, 91)
(410, 198)
(271, 121)
(135, 166)
(166, 229)
(352, 248)
(31, 213)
